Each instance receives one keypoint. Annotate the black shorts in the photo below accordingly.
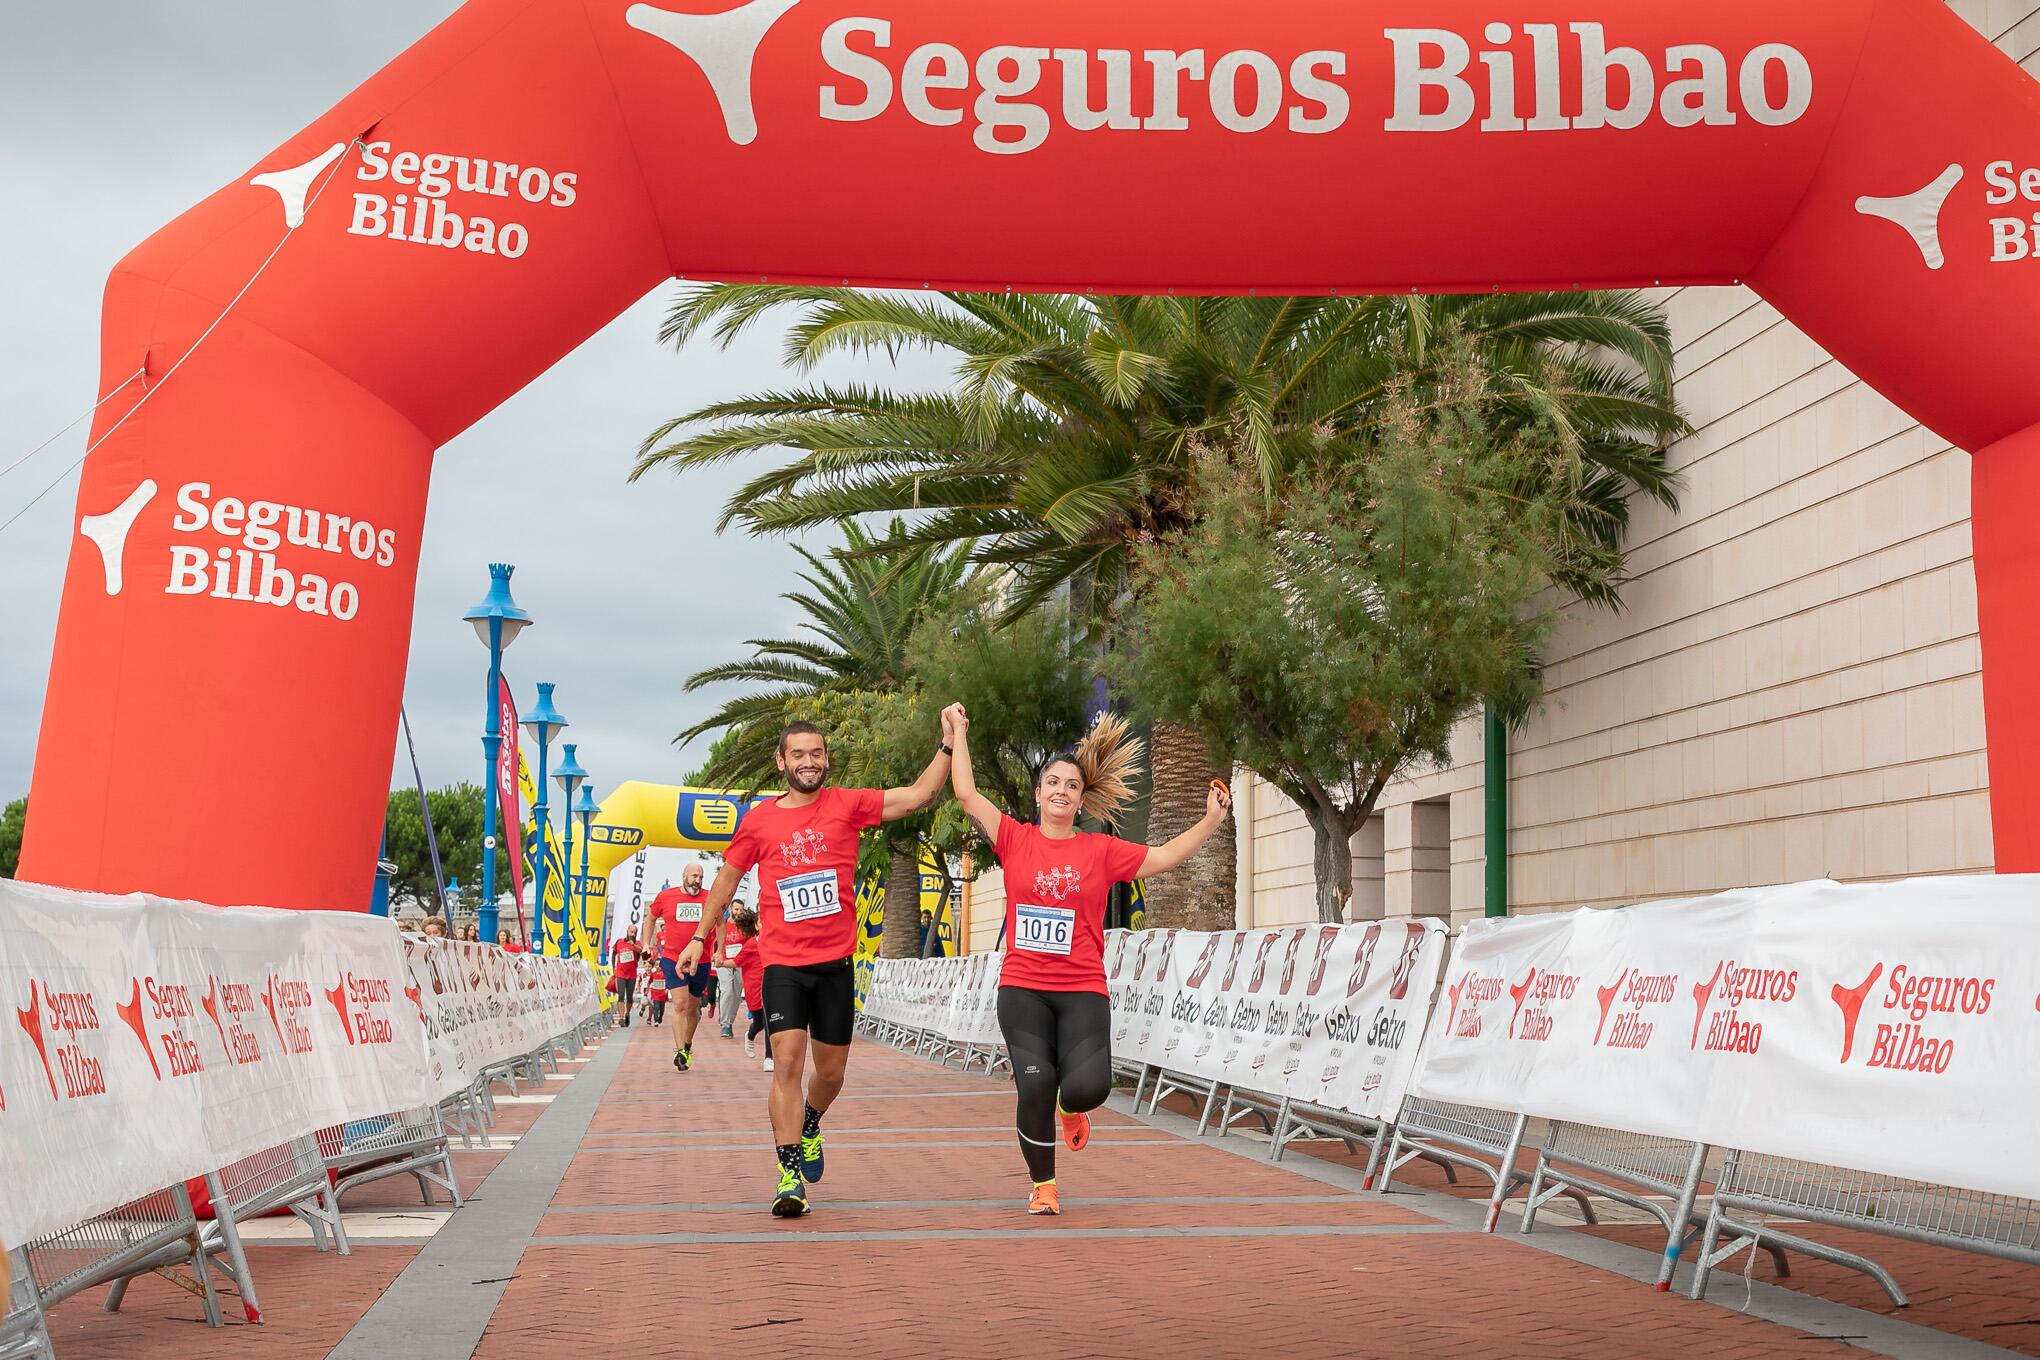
(820, 998)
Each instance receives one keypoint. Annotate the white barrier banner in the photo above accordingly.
(1884, 1027)
(1330, 1015)
(483, 1006)
(147, 1042)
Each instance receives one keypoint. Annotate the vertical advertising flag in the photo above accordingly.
(544, 840)
(508, 760)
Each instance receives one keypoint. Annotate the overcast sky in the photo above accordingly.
(120, 116)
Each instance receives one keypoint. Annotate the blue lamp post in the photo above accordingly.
(497, 621)
(570, 777)
(543, 722)
(584, 808)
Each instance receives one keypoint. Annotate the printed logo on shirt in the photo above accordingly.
(806, 846)
(1058, 885)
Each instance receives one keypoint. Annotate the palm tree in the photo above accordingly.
(861, 605)
(1073, 430)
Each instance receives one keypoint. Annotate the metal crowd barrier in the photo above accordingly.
(1470, 1135)
(407, 1143)
(1753, 1184)
(1636, 1169)
(469, 1114)
(156, 1233)
(23, 1333)
(290, 1175)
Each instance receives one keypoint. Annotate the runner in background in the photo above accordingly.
(804, 845)
(1054, 1005)
(655, 1002)
(750, 966)
(624, 968)
(675, 915)
(732, 984)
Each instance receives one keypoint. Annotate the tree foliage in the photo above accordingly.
(13, 820)
(457, 823)
(1332, 640)
(1072, 437)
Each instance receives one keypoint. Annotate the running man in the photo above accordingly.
(625, 953)
(804, 844)
(1054, 1004)
(675, 916)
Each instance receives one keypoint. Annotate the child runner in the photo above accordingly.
(1054, 1005)
(655, 995)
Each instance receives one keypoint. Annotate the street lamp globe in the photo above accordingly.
(499, 608)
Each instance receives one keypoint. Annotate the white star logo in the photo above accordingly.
(109, 531)
(724, 46)
(1918, 214)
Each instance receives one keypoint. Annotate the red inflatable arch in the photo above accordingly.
(248, 535)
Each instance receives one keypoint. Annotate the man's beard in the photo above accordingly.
(806, 783)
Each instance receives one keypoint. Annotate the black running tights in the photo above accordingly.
(1061, 1045)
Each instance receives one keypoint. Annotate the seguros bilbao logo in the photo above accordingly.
(1014, 97)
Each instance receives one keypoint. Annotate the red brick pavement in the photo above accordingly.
(918, 1247)
(995, 1282)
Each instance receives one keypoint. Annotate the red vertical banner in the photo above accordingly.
(509, 822)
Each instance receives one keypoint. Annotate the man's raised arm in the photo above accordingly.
(909, 799)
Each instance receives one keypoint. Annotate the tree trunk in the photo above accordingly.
(1331, 862)
(1200, 894)
(903, 905)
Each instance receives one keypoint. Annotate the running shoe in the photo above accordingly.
(811, 1157)
(791, 1201)
(683, 1058)
(1076, 1129)
(750, 1047)
(1043, 1200)
(768, 1062)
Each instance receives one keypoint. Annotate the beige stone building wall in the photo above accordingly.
(1791, 691)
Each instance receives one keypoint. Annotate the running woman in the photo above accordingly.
(1054, 1005)
(675, 916)
(804, 845)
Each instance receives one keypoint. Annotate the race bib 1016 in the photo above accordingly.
(806, 896)
(1044, 930)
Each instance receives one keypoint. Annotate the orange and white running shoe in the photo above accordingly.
(1043, 1200)
(1076, 1129)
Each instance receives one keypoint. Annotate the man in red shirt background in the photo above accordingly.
(625, 954)
(675, 916)
(734, 934)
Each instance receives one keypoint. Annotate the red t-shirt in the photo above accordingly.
(751, 963)
(675, 914)
(733, 937)
(516, 946)
(806, 859)
(625, 954)
(1056, 895)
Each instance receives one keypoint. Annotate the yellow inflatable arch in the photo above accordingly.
(639, 816)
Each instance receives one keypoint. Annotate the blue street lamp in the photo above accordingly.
(570, 777)
(584, 808)
(497, 621)
(543, 722)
